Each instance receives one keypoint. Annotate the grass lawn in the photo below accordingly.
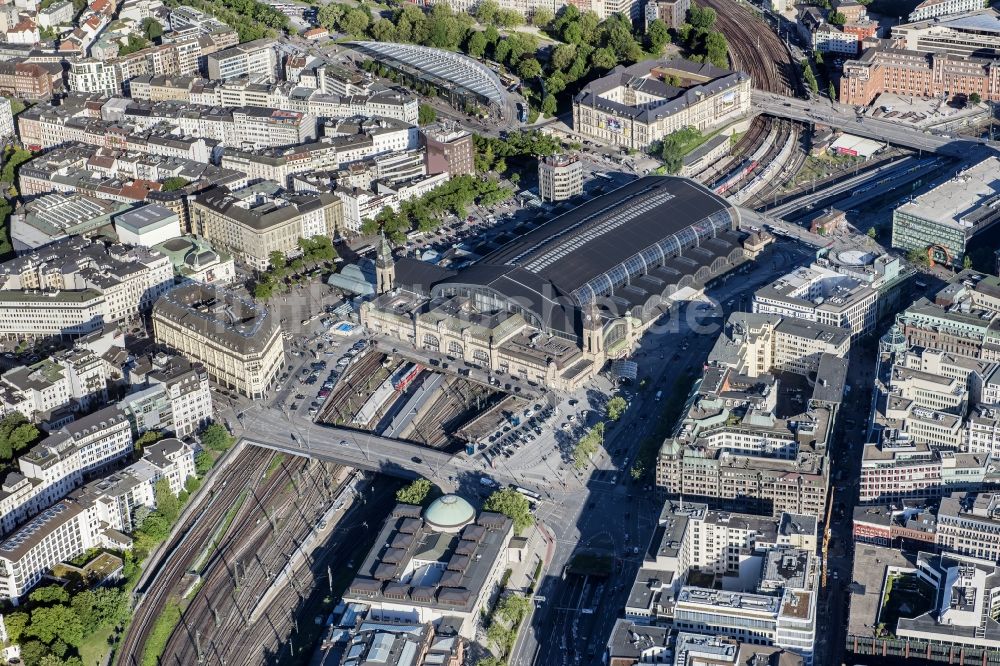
(95, 646)
(164, 626)
(821, 166)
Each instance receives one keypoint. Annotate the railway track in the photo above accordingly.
(756, 50)
(214, 626)
(240, 476)
(341, 402)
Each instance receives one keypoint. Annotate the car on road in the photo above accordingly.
(344, 442)
(417, 460)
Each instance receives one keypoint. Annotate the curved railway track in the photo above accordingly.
(755, 49)
(240, 476)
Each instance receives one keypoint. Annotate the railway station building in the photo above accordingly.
(635, 106)
(553, 306)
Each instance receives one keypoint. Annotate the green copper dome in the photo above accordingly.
(449, 513)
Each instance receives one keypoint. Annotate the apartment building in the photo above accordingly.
(671, 12)
(560, 177)
(67, 381)
(254, 222)
(969, 523)
(170, 394)
(637, 105)
(256, 58)
(362, 204)
(37, 314)
(238, 343)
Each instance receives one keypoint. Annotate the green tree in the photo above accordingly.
(832, 91)
(717, 49)
(17, 434)
(476, 46)
(383, 30)
(32, 652)
(277, 260)
(872, 232)
(529, 68)
(809, 77)
(167, 503)
(147, 438)
(542, 17)
(135, 42)
(967, 262)
(917, 256)
(263, 291)
(975, 99)
(562, 56)
(549, 105)
(16, 623)
(836, 18)
(658, 35)
(216, 438)
(174, 183)
(555, 84)
(603, 58)
(616, 407)
(486, 12)
(426, 114)
(355, 21)
(414, 493)
(701, 18)
(51, 622)
(50, 594)
(588, 445)
(512, 504)
(152, 29)
(330, 15)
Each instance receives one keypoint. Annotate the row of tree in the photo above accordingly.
(426, 213)
(313, 250)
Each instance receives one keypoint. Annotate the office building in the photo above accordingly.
(253, 222)
(256, 58)
(239, 343)
(929, 9)
(560, 177)
(448, 149)
(671, 12)
(632, 107)
(941, 223)
(147, 225)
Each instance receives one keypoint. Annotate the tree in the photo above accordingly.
(917, 256)
(872, 233)
(717, 49)
(512, 504)
(262, 291)
(476, 46)
(974, 99)
(658, 35)
(616, 407)
(383, 31)
(588, 446)
(967, 262)
(549, 105)
(701, 19)
(50, 594)
(355, 21)
(216, 438)
(147, 438)
(426, 114)
(486, 12)
(167, 503)
(832, 91)
(16, 434)
(51, 622)
(152, 29)
(603, 59)
(32, 652)
(414, 493)
(809, 76)
(174, 183)
(542, 17)
(562, 57)
(16, 623)
(529, 68)
(135, 42)
(837, 18)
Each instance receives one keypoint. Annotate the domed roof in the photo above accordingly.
(449, 513)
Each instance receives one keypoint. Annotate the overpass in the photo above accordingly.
(271, 428)
(846, 118)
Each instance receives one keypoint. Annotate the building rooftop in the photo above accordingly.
(963, 202)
